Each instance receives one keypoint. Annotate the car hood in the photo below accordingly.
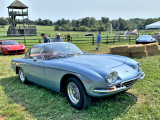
(95, 60)
(145, 39)
(14, 47)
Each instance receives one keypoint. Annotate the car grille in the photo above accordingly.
(127, 84)
(16, 51)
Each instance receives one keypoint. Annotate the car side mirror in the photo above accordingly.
(84, 51)
(35, 59)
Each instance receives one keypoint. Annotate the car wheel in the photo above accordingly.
(2, 52)
(76, 94)
(22, 76)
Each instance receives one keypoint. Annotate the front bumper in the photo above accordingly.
(145, 42)
(121, 86)
(11, 52)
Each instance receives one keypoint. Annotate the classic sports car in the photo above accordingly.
(63, 66)
(145, 39)
(11, 47)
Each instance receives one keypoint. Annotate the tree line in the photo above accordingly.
(104, 24)
(46, 22)
(91, 24)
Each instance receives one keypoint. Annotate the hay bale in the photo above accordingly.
(152, 47)
(152, 53)
(137, 48)
(158, 52)
(120, 48)
(139, 54)
(126, 54)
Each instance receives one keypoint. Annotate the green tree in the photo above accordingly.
(3, 21)
(57, 28)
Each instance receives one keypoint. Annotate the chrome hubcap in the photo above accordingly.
(22, 75)
(73, 92)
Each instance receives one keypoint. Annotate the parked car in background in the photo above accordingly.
(145, 39)
(89, 34)
(63, 66)
(11, 47)
(134, 32)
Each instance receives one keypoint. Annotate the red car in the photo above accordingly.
(11, 47)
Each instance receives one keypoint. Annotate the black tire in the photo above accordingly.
(2, 52)
(77, 96)
(22, 76)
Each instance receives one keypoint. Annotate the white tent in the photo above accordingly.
(155, 25)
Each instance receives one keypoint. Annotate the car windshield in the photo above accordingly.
(145, 36)
(10, 43)
(60, 50)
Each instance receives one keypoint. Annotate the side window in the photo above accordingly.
(35, 52)
(47, 51)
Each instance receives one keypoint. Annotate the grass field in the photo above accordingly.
(30, 102)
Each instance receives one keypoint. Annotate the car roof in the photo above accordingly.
(43, 44)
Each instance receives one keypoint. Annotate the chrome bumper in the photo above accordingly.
(140, 77)
(110, 91)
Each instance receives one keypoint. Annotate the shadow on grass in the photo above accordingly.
(42, 103)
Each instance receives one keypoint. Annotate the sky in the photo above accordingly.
(76, 9)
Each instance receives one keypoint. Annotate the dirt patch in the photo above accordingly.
(3, 118)
(141, 98)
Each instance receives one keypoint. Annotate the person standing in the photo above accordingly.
(46, 38)
(68, 37)
(98, 40)
(58, 38)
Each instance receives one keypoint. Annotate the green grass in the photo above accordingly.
(30, 102)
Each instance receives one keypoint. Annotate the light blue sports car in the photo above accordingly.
(145, 39)
(63, 66)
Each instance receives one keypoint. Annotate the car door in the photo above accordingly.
(34, 66)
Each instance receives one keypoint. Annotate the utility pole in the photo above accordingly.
(111, 30)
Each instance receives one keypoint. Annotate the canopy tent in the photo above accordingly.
(155, 25)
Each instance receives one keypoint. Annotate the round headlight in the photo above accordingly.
(112, 77)
(138, 67)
